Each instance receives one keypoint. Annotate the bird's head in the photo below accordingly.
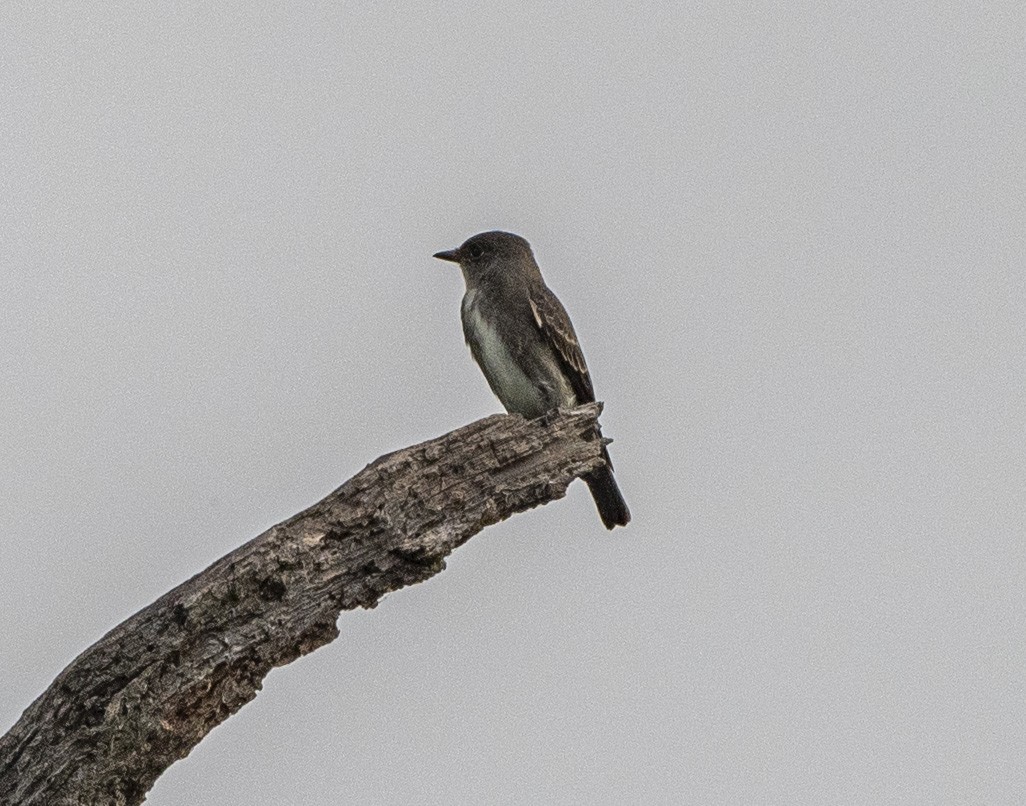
(490, 252)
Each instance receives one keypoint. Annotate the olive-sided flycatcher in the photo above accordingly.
(521, 337)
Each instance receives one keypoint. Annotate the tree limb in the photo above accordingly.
(146, 693)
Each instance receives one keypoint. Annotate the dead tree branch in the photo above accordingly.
(146, 693)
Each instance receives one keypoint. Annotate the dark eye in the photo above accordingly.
(475, 251)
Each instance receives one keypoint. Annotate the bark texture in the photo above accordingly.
(146, 693)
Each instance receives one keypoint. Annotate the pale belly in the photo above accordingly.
(517, 392)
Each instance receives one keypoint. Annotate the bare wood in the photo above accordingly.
(146, 693)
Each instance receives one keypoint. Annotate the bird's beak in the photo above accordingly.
(453, 255)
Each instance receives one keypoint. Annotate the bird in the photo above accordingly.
(521, 337)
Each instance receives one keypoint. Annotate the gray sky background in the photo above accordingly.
(791, 237)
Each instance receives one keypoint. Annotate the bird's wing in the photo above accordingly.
(554, 323)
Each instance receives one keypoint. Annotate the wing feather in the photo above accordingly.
(554, 323)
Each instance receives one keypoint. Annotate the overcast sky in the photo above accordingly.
(791, 237)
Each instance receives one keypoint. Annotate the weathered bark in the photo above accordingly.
(145, 694)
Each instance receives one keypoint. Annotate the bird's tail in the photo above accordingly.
(608, 499)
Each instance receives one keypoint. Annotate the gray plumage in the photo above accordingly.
(522, 338)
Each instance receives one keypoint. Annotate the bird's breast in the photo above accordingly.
(490, 348)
